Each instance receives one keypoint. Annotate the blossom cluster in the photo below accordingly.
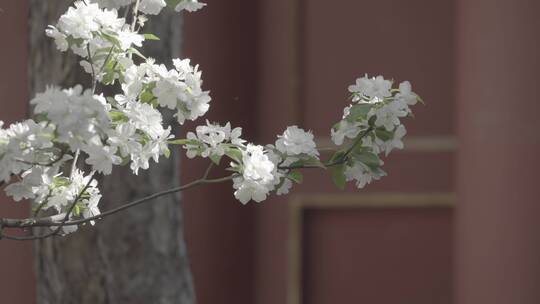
(372, 120)
(72, 128)
(153, 7)
(260, 170)
(178, 89)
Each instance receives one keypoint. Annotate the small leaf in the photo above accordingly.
(117, 116)
(76, 210)
(338, 175)
(371, 121)
(359, 112)
(338, 156)
(384, 134)
(183, 141)
(216, 159)
(167, 152)
(296, 176)
(234, 154)
(136, 52)
(313, 161)
(369, 159)
(111, 38)
(172, 3)
(150, 37)
(147, 96)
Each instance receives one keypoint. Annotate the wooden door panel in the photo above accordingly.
(377, 256)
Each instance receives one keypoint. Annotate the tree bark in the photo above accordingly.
(138, 256)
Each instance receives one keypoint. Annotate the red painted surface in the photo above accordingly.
(498, 231)
(339, 43)
(16, 264)
(219, 230)
(383, 256)
(247, 52)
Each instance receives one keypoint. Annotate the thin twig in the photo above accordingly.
(49, 164)
(94, 79)
(50, 222)
(4, 223)
(207, 172)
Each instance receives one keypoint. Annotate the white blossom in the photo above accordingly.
(345, 129)
(152, 7)
(34, 184)
(77, 115)
(180, 89)
(361, 174)
(388, 116)
(257, 179)
(372, 87)
(212, 140)
(396, 141)
(285, 187)
(101, 157)
(189, 5)
(295, 141)
(97, 35)
(112, 3)
(65, 192)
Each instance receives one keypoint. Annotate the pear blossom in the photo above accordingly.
(189, 5)
(152, 7)
(371, 87)
(34, 184)
(128, 128)
(345, 129)
(112, 3)
(96, 34)
(213, 140)
(296, 141)
(257, 179)
(361, 174)
(388, 116)
(101, 157)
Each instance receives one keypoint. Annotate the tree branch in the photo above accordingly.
(55, 231)
(51, 222)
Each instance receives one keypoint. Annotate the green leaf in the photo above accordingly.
(420, 99)
(384, 134)
(234, 154)
(150, 37)
(369, 159)
(336, 157)
(338, 175)
(215, 159)
(359, 112)
(313, 161)
(111, 38)
(136, 52)
(172, 3)
(76, 210)
(296, 176)
(183, 141)
(371, 121)
(117, 116)
(167, 153)
(147, 96)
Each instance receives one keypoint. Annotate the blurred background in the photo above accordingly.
(455, 220)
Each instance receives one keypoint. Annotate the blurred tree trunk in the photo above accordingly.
(138, 256)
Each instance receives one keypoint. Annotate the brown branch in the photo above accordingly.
(59, 225)
(50, 222)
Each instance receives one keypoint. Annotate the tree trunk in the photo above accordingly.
(138, 256)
